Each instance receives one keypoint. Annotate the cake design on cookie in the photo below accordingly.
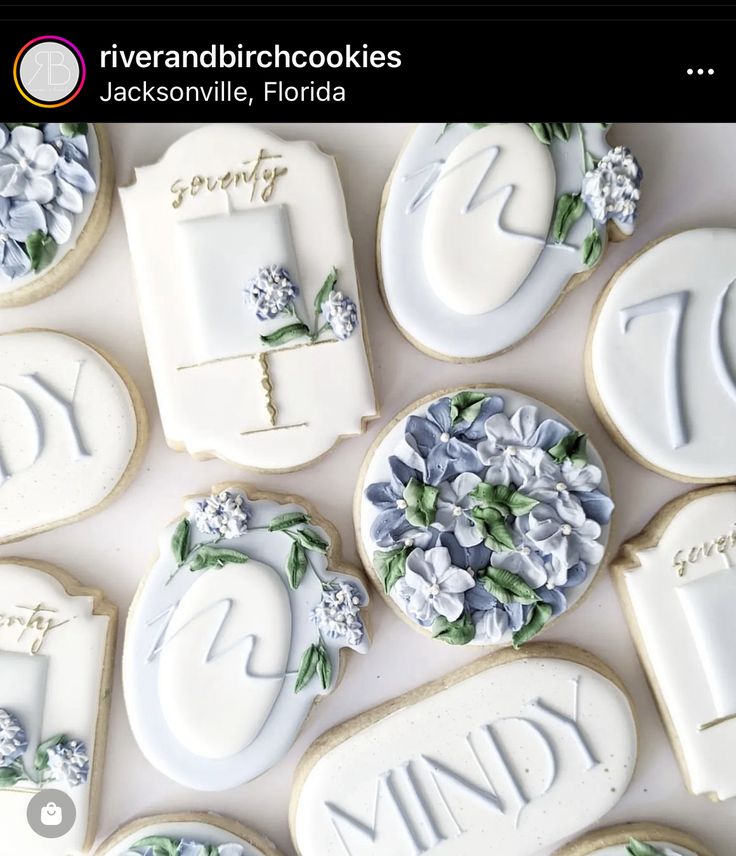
(56, 653)
(262, 301)
(487, 225)
(72, 431)
(660, 366)
(248, 609)
(677, 581)
(483, 515)
(505, 756)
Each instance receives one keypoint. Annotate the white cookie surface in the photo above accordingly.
(56, 648)
(224, 206)
(678, 585)
(506, 761)
(68, 430)
(662, 359)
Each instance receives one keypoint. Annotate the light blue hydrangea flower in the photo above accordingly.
(18, 219)
(337, 616)
(224, 514)
(13, 739)
(69, 762)
(434, 585)
(611, 189)
(341, 314)
(27, 166)
(271, 292)
(566, 539)
(454, 504)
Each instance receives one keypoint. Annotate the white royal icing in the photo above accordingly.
(232, 639)
(68, 430)
(468, 261)
(52, 656)
(191, 832)
(681, 596)
(662, 356)
(202, 223)
(506, 761)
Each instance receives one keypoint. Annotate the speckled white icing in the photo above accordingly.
(662, 355)
(482, 766)
(687, 634)
(441, 321)
(68, 430)
(57, 690)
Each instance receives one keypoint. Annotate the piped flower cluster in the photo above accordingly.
(161, 845)
(488, 519)
(612, 189)
(45, 175)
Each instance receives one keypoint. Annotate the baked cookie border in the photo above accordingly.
(610, 836)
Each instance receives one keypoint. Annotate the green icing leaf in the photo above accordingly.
(539, 615)
(590, 162)
(543, 131)
(9, 776)
(561, 130)
(458, 632)
(504, 499)
(493, 528)
(286, 334)
(287, 520)
(570, 208)
(74, 129)
(324, 667)
(307, 667)
(296, 565)
(160, 845)
(507, 587)
(41, 249)
(421, 503)
(41, 758)
(640, 848)
(390, 566)
(592, 248)
(325, 291)
(572, 447)
(478, 125)
(465, 406)
(180, 541)
(310, 540)
(215, 557)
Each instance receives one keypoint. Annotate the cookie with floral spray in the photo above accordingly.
(636, 839)
(482, 515)
(56, 181)
(484, 228)
(247, 612)
(57, 643)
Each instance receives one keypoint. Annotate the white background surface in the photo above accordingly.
(689, 181)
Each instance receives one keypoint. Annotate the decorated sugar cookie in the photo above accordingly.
(482, 515)
(636, 839)
(247, 611)
(677, 581)
(73, 430)
(485, 227)
(505, 757)
(249, 298)
(55, 194)
(661, 367)
(57, 642)
(186, 834)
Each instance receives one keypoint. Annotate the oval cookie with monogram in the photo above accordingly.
(505, 756)
(677, 581)
(186, 834)
(661, 362)
(57, 643)
(249, 298)
(485, 227)
(246, 612)
(636, 839)
(56, 183)
(73, 430)
(482, 515)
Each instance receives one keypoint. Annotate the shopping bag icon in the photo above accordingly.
(51, 815)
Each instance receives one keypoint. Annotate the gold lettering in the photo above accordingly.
(679, 564)
(270, 176)
(37, 624)
(179, 191)
(692, 555)
(196, 184)
(255, 172)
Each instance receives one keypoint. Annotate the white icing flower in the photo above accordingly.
(567, 539)
(13, 740)
(69, 762)
(223, 514)
(27, 166)
(338, 614)
(341, 314)
(434, 585)
(611, 190)
(452, 512)
(271, 292)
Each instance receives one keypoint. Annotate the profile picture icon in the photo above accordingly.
(49, 71)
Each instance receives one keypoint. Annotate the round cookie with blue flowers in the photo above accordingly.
(56, 183)
(482, 515)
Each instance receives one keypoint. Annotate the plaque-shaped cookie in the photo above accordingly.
(249, 298)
